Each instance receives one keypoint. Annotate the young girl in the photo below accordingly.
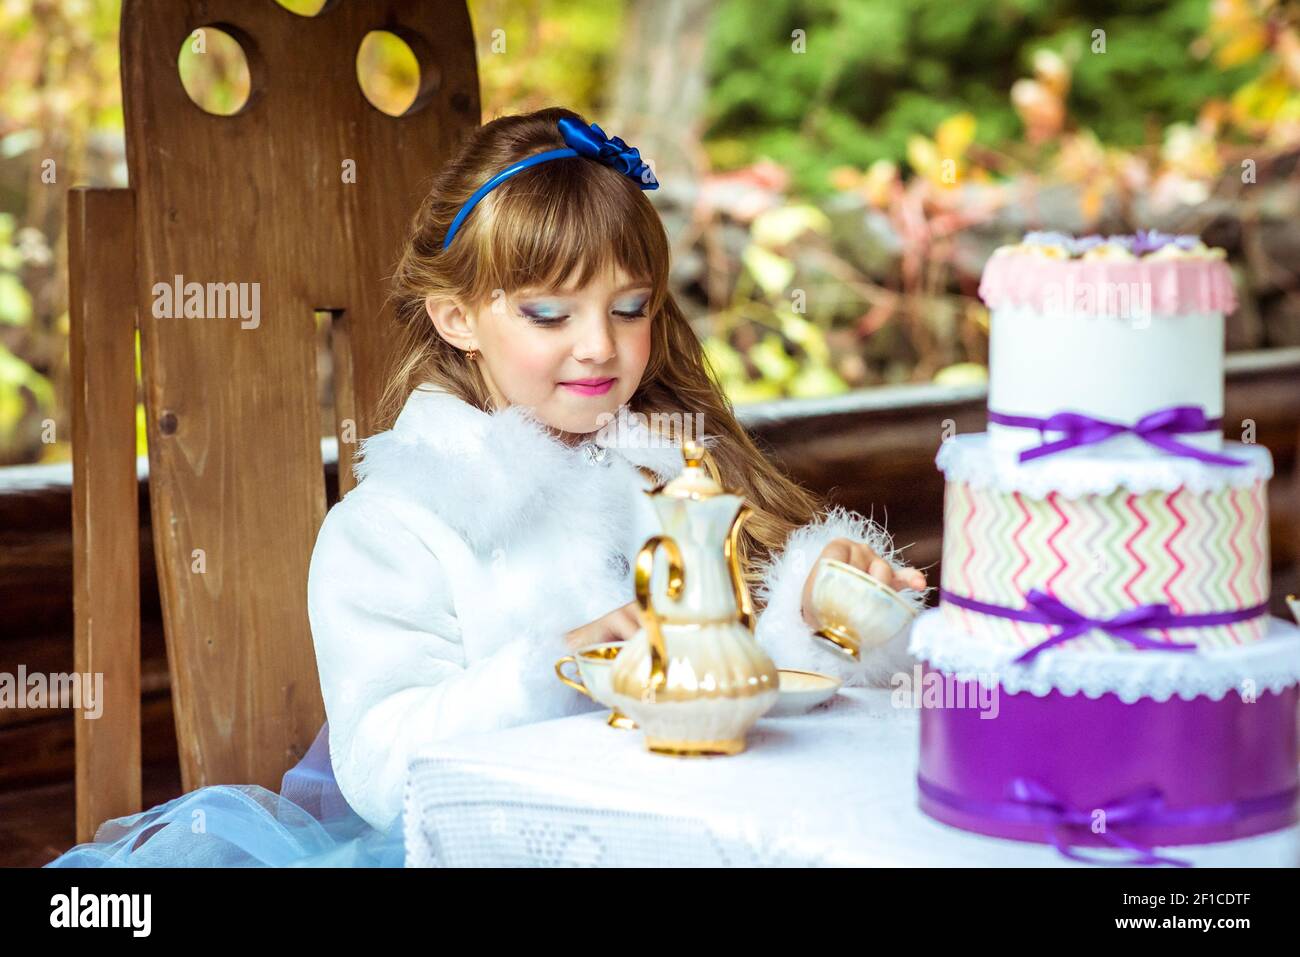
(494, 525)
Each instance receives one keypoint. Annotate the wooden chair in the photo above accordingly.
(236, 479)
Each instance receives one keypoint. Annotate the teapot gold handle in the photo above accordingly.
(645, 564)
(744, 603)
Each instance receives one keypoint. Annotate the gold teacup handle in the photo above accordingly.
(575, 685)
(645, 565)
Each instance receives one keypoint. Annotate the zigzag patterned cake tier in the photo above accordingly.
(1118, 535)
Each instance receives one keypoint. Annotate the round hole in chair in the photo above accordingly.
(307, 8)
(214, 71)
(396, 73)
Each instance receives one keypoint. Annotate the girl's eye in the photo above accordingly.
(546, 318)
(553, 320)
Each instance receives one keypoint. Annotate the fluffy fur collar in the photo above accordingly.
(487, 475)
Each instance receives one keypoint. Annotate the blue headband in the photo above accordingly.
(590, 142)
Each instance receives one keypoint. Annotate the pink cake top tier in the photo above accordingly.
(1160, 274)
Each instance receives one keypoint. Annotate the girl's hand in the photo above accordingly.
(854, 553)
(619, 625)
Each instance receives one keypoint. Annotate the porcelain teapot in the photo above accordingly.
(693, 678)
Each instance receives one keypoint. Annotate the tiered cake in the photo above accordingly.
(1105, 570)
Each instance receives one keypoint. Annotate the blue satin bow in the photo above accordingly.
(589, 142)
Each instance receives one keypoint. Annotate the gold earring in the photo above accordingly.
(472, 355)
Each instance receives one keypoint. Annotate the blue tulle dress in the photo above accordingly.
(308, 824)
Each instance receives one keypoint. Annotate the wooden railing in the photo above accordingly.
(872, 451)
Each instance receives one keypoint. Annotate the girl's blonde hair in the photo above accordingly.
(552, 222)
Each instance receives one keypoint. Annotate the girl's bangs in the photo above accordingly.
(566, 225)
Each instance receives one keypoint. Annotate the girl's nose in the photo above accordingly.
(596, 344)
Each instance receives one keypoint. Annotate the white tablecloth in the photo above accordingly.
(834, 787)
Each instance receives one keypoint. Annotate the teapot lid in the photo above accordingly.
(694, 481)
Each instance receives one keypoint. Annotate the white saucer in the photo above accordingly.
(801, 691)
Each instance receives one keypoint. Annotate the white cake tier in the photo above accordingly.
(1111, 367)
(1270, 664)
(1115, 331)
(1096, 469)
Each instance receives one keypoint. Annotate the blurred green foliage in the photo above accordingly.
(541, 53)
(17, 377)
(843, 183)
(876, 72)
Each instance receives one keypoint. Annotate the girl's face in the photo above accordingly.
(568, 354)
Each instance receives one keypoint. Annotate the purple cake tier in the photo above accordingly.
(1223, 769)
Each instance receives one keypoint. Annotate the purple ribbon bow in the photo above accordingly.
(1028, 801)
(1157, 428)
(1143, 806)
(592, 143)
(1125, 625)
(1045, 609)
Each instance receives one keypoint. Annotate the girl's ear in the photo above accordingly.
(452, 322)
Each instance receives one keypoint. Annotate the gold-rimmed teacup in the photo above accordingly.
(593, 663)
(855, 612)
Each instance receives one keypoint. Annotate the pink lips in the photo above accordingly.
(589, 386)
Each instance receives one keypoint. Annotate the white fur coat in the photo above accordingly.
(440, 588)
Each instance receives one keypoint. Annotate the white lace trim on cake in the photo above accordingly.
(1270, 664)
(1096, 470)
